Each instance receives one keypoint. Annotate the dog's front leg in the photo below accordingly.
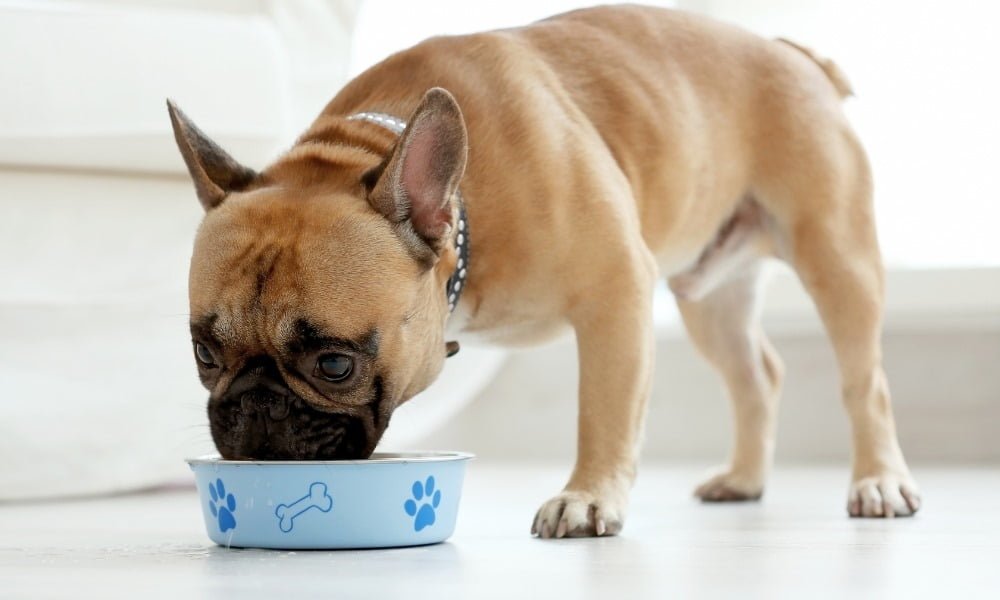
(614, 333)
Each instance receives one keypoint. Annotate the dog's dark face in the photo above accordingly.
(317, 287)
(313, 397)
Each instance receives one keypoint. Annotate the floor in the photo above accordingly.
(797, 543)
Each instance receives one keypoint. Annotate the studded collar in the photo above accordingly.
(456, 283)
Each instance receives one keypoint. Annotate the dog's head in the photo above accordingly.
(317, 286)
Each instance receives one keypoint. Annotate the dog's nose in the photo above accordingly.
(259, 401)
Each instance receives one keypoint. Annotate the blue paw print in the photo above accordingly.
(223, 505)
(424, 514)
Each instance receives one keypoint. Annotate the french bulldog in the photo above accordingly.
(569, 164)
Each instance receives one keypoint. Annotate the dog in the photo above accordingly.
(517, 184)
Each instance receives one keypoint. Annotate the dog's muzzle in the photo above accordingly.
(259, 418)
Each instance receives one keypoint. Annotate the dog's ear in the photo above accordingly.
(214, 172)
(415, 187)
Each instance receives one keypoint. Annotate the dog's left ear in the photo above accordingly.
(415, 188)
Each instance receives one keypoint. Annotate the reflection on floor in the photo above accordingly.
(796, 543)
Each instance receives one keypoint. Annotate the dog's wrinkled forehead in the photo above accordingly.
(263, 262)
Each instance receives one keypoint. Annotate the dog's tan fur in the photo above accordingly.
(606, 147)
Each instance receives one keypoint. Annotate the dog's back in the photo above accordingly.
(648, 77)
(642, 79)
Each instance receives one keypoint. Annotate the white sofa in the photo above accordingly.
(98, 391)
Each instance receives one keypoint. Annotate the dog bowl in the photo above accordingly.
(407, 499)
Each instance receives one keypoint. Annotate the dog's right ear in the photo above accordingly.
(214, 172)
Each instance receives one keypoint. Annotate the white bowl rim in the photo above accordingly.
(377, 458)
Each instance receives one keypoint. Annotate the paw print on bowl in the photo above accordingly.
(223, 505)
(422, 506)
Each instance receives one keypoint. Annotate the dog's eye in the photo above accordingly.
(334, 367)
(204, 355)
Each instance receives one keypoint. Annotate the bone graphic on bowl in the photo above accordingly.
(316, 498)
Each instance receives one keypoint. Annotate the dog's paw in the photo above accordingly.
(885, 496)
(577, 514)
(730, 486)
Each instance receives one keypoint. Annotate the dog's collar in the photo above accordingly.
(456, 283)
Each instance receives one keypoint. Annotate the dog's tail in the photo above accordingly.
(833, 72)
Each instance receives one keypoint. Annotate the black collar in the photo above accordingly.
(456, 283)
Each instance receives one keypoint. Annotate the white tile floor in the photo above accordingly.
(797, 543)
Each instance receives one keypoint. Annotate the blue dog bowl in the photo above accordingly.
(407, 499)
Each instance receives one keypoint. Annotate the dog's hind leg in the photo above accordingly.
(832, 245)
(724, 325)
